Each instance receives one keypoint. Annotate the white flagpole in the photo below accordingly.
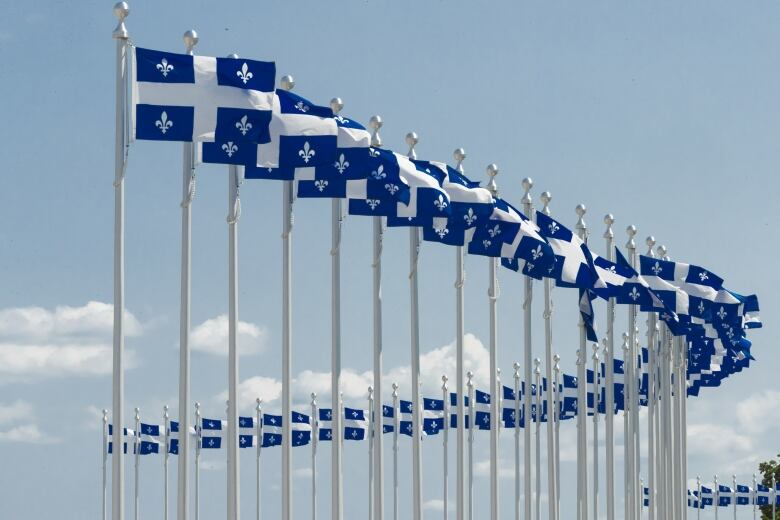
(754, 496)
(120, 35)
(670, 462)
(538, 421)
(414, 253)
(445, 447)
(774, 496)
(626, 430)
(698, 488)
(104, 454)
(460, 331)
(378, 484)
(637, 431)
(470, 386)
(492, 171)
(184, 428)
(629, 390)
(557, 451)
(167, 426)
(259, 446)
(596, 394)
(396, 425)
(548, 366)
(609, 364)
(651, 399)
(314, 425)
(517, 389)
(287, 83)
(734, 495)
(527, 202)
(370, 434)
(582, 409)
(680, 492)
(137, 453)
(684, 417)
(717, 497)
(337, 495)
(188, 192)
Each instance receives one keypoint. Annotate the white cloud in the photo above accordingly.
(302, 473)
(18, 421)
(26, 433)
(506, 469)
(17, 411)
(434, 505)
(266, 388)
(211, 336)
(760, 412)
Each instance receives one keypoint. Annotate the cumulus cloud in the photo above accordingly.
(17, 423)
(17, 411)
(506, 469)
(211, 337)
(266, 388)
(66, 341)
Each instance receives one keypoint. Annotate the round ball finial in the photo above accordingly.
(545, 197)
(650, 241)
(556, 358)
(662, 251)
(609, 219)
(412, 139)
(314, 395)
(190, 39)
(631, 231)
(395, 386)
(233, 56)
(336, 105)
(459, 155)
(444, 378)
(375, 122)
(527, 184)
(121, 10)
(287, 82)
(581, 210)
(492, 171)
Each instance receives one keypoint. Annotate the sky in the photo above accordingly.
(663, 114)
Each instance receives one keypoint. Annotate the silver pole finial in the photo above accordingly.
(411, 141)
(595, 352)
(546, 197)
(556, 358)
(662, 252)
(395, 389)
(609, 219)
(121, 11)
(336, 105)
(631, 232)
(375, 123)
(527, 184)
(650, 242)
(581, 210)
(259, 404)
(459, 155)
(190, 40)
(287, 82)
(492, 171)
(516, 366)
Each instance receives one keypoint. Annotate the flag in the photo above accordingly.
(211, 433)
(272, 430)
(247, 431)
(693, 499)
(573, 265)
(325, 428)
(707, 497)
(569, 394)
(454, 410)
(388, 418)
(508, 415)
(377, 186)
(645, 496)
(482, 410)
(301, 429)
(586, 313)
(149, 438)
(126, 432)
(433, 415)
(173, 441)
(744, 495)
(724, 495)
(355, 424)
(405, 423)
(763, 494)
(428, 201)
(179, 97)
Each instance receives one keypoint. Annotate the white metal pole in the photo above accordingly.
(314, 428)
(680, 492)
(557, 407)
(104, 455)
(651, 400)
(167, 426)
(518, 491)
(527, 202)
(717, 497)
(698, 488)
(137, 453)
(774, 497)
(470, 386)
(370, 434)
(337, 495)
(670, 463)
(609, 365)
(414, 253)
(445, 447)
(396, 425)
(636, 429)
(259, 447)
(582, 410)
(188, 192)
(684, 418)
(548, 366)
(734, 495)
(492, 171)
(183, 432)
(629, 390)
(460, 411)
(121, 35)
(537, 434)
(626, 430)
(753, 497)
(596, 394)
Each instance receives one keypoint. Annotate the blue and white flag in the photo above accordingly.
(428, 201)
(388, 418)
(247, 432)
(126, 432)
(573, 265)
(763, 495)
(433, 416)
(646, 496)
(377, 187)
(325, 428)
(744, 495)
(179, 97)
(508, 413)
(150, 438)
(173, 441)
(355, 424)
(693, 499)
(405, 416)
(301, 429)
(569, 395)
(454, 410)
(724, 495)
(481, 410)
(272, 430)
(707, 497)
(211, 433)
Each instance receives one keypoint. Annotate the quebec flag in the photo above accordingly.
(325, 429)
(272, 430)
(179, 97)
(355, 424)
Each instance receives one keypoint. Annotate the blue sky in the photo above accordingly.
(664, 114)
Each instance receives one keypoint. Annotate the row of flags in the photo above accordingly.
(724, 496)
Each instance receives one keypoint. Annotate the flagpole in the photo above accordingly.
(651, 399)
(470, 386)
(538, 421)
(197, 455)
(754, 496)
(166, 425)
(637, 430)
(287, 83)
(376, 141)
(104, 454)
(517, 389)
(626, 430)
(557, 451)
(137, 457)
(370, 434)
(666, 413)
(527, 202)
(676, 401)
(734, 495)
(120, 35)
(460, 431)
(337, 496)
(548, 366)
(259, 441)
(414, 253)
(314, 429)
(717, 497)
(609, 356)
(698, 488)
(396, 425)
(596, 394)
(629, 389)
(684, 415)
(774, 496)
(492, 171)
(582, 410)
(445, 445)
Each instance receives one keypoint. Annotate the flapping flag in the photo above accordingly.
(301, 429)
(211, 433)
(388, 419)
(428, 201)
(272, 430)
(433, 416)
(355, 424)
(573, 265)
(481, 410)
(325, 429)
(247, 431)
(724, 495)
(126, 432)
(149, 438)
(405, 416)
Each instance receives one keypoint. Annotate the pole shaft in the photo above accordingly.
(460, 430)
(184, 432)
(259, 429)
(609, 415)
(518, 491)
(234, 487)
(548, 367)
(445, 453)
(378, 454)
(396, 425)
(337, 507)
(527, 362)
(471, 451)
(137, 453)
(314, 460)
(414, 250)
(596, 394)
(287, 513)
(493, 390)
(538, 426)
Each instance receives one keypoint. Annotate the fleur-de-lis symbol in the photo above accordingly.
(470, 217)
(441, 231)
(495, 231)
(656, 268)
(164, 124)
(634, 294)
(486, 243)
(341, 119)
(244, 125)
(553, 227)
(341, 164)
(164, 67)
(703, 276)
(373, 153)
(354, 434)
(373, 203)
(321, 185)
(307, 152)
(329, 415)
(230, 148)
(701, 307)
(379, 173)
(440, 203)
(530, 266)
(328, 435)
(537, 253)
(612, 269)
(243, 440)
(722, 313)
(730, 333)
(244, 73)
(392, 188)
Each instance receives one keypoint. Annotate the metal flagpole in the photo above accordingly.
(651, 398)
(445, 446)
(630, 389)
(314, 425)
(183, 428)
(753, 497)
(137, 453)
(666, 413)
(582, 412)
(414, 253)
(527, 202)
(492, 171)
(680, 492)
(370, 434)
(105, 463)
(376, 141)
(684, 415)
(609, 365)
(537, 433)
(337, 496)
(734, 495)
(259, 446)
(626, 429)
(188, 192)
(470, 386)
(396, 425)
(774, 496)
(717, 497)
(518, 492)
(287, 83)
(637, 430)
(642, 488)
(596, 394)
(698, 488)
(167, 426)
(548, 366)
(557, 436)
(121, 35)
(460, 413)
